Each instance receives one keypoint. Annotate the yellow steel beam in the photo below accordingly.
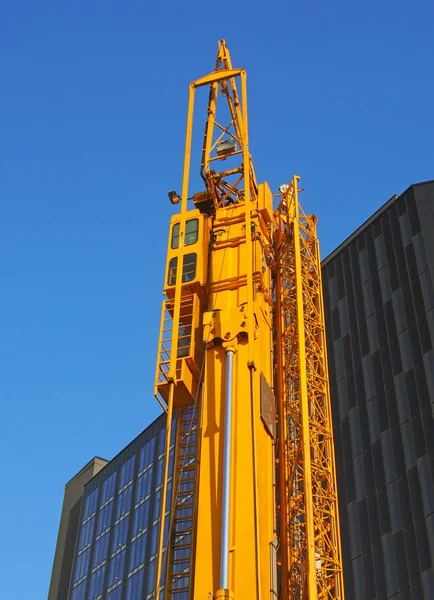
(164, 491)
(281, 424)
(216, 77)
(184, 201)
(305, 425)
(304, 405)
(249, 253)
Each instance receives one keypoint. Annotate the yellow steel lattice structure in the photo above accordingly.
(308, 509)
(254, 510)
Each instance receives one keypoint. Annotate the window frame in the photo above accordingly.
(174, 238)
(173, 266)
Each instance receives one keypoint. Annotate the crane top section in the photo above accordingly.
(230, 205)
(226, 166)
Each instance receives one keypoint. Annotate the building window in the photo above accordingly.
(108, 489)
(191, 233)
(159, 472)
(78, 592)
(116, 568)
(90, 505)
(137, 554)
(161, 443)
(96, 583)
(86, 534)
(141, 517)
(135, 586)
(163, 569)
(124, 502)
(154, 537)
(115, 594)
(101, 548)
(104, 519)
(166, 533)
(146, 455)
(151, 576)
(81, 565)
(127, 472)
(157, 502)
(169, 490)
(143, 488)
(120, 533)
(188, 269)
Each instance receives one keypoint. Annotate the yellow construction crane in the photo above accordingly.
(242, 366)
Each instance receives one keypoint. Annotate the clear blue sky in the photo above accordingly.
(92, 121)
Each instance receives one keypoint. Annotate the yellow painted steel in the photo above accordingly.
(249, 283)
(309, 512)
(251, 514)
(164, 491)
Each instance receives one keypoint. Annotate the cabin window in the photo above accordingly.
(171, 276)
(191, 233)
(188, 269)
(175, 236)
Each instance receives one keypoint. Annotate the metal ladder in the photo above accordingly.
(166, 341)
(181, 545)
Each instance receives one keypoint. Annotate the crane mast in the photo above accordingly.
(251, 509)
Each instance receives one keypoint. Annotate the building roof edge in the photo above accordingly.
(368, 222)
(87, 466)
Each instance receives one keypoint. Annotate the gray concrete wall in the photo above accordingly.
(64, 553)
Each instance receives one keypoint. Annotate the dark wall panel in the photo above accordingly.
(379, 302)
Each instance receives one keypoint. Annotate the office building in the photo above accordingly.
(115, 535)
(72, 501)
(379, 303)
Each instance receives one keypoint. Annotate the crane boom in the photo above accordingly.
(309, 519)
(251, 510)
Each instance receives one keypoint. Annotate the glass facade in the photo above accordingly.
(379, 304)
(116, 547)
